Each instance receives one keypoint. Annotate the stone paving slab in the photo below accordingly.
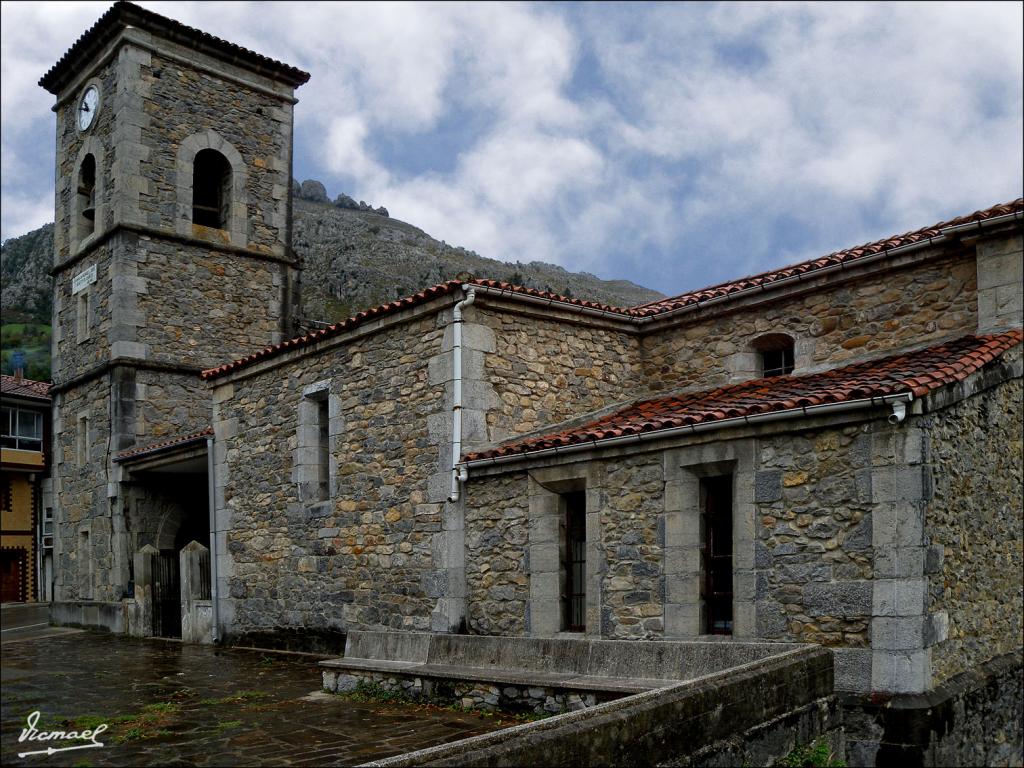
(182, 705)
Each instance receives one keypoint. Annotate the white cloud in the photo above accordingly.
(711, 140)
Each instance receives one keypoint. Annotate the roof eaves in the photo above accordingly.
(890, 246)
(866, 383)
(164, 445)
(124, 14)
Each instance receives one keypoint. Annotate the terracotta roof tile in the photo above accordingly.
(333, 330)
(162, 445)
(918, 372)
(644, 310)
(839, 257)
(15, 387)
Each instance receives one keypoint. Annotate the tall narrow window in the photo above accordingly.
(574, 562)
(716, 555)
(82, 441)
(82, 316)
(84, 555)
(323, 450)
(776, 351)
(211, 189)
(86, 197)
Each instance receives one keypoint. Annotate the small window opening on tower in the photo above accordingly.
(574, 562)
(82, 441)
(211, 189)
(82, 312)
(86, 197)
(776, 350)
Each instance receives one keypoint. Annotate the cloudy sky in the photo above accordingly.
(675, 145)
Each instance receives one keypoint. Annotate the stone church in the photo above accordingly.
(828, 453)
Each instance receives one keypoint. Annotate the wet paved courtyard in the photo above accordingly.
(171, 704)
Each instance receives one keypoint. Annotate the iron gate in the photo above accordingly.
(166, 596)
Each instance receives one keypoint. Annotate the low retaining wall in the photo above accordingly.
(523, 674)
(776, 702)
(974, 718)
(89, 614)
(472, 695)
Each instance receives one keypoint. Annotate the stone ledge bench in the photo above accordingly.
(527, 673)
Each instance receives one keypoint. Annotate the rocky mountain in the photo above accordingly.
(354, 256)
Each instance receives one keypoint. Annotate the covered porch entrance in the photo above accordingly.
(167, 512)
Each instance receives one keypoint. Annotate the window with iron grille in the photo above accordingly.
(716, 555)
(574, 563)
(776, 351)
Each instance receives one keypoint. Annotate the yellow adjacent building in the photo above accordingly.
(25, 542)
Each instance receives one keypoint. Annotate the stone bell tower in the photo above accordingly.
(172, 253)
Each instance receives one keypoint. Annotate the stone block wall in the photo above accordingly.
(369, 555)
(975, 524)
(497, 555)
(251, 113)
(814, 536)
(88, 564)
(202, 307)
(483, 696)
(832, 326)
(168, 404)
(1000, 283)
(542, 371)
(72, 147)
(77, 349)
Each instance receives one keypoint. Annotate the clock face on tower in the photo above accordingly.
(88, 105)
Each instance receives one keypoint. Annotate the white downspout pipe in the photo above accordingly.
(459, 474)
(212, 496)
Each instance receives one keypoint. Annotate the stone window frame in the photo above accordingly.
(237, 228)
(91, 145)
(546, 508)
(748, 364)
(774, 342)
(83, 315)
(683, 470)
(86, 574)
(82, 420)
(307, 452)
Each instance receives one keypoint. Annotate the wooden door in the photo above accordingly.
(12, 575)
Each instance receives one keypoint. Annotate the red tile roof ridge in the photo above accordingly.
(844, 256)
(15, 386)
(919, 372)
(164, 443)
(642, 311)
(335, 328)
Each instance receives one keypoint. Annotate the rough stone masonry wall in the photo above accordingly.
(365, 558)
(865, 319)
(256, 124)
(70, 145)
(543, 372)
(477, 695)
(632, 547)
(81, 495)
(203, 307)
(73, 356)
(497, 559)
(169, 405)
(975, 516)
(813, 549)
